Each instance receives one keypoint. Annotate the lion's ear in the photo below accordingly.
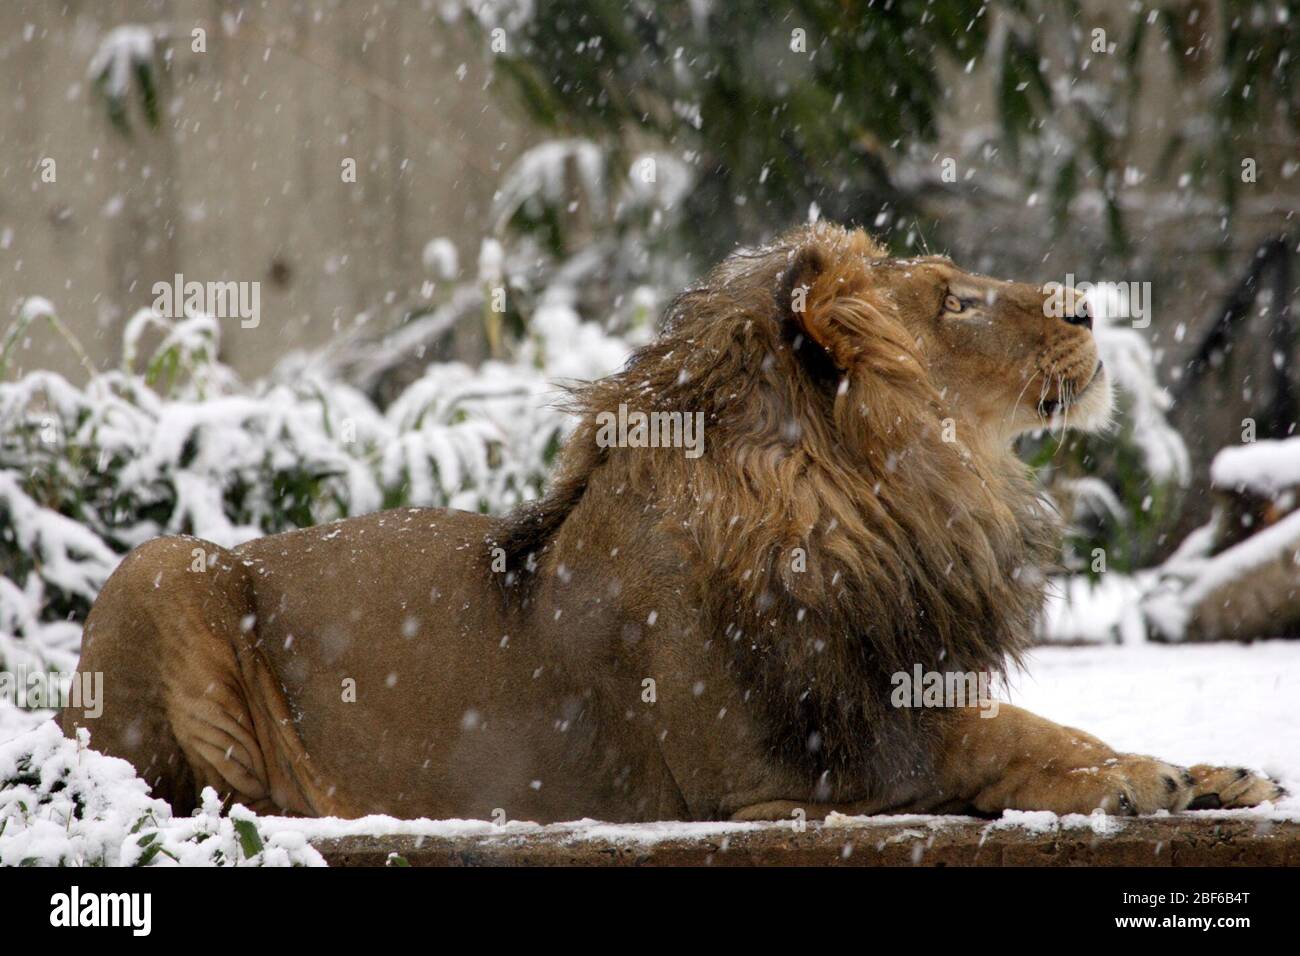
(825, 293)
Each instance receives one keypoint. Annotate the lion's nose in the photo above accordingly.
(1081, 315)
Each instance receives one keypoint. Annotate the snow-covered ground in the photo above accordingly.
(1225, 703)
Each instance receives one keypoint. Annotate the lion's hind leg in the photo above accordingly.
(121, 656)
(188, 699)
(228, 708)
(208, 706)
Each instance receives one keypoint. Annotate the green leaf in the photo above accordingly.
(147, 856)
(250, 841)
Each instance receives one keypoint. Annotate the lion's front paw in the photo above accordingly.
(1131, 784)
(1154, 785)
(1123, 785)
(1216, 788)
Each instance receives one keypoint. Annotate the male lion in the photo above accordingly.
(664, 635)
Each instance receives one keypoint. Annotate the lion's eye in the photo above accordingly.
(953, 304)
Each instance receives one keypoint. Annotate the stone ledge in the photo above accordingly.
(930, 841)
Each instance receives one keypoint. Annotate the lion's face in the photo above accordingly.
(995, 349)
(1004, 357)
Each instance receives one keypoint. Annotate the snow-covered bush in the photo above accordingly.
(182, 446)
(1131, 362)
(63, 804)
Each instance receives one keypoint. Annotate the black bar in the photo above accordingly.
(225, 908)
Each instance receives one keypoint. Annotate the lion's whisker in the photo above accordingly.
(1063, 402)
(1029, 381)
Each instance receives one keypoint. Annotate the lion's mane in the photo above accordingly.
(839, 539)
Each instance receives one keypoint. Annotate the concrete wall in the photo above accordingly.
(242, 180)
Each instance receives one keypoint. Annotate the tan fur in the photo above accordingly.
(671, 637)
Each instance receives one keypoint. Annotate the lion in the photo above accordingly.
(664, 635)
